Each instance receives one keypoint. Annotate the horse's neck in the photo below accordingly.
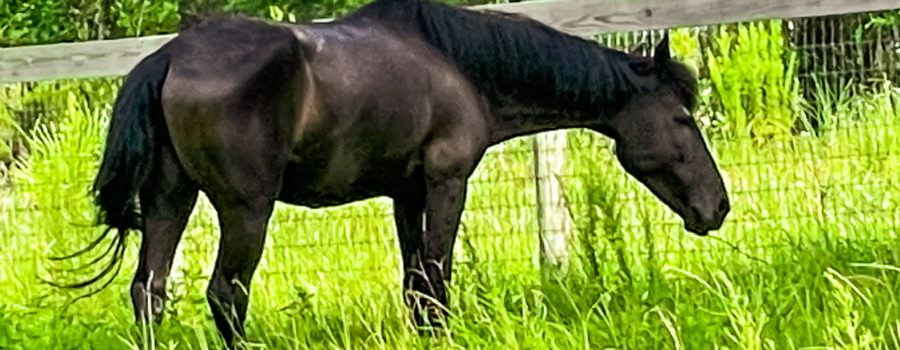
(511, 121)
(513, 117)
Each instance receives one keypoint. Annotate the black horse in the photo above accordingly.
(399, 99)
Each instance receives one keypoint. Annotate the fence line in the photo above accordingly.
(579, 17)
(622, 197)
(500, 240)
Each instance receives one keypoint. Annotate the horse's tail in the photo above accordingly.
(132, 147)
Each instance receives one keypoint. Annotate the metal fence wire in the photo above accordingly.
(846, 48)
(839, 184)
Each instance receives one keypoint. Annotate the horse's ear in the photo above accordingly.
(661, 53)
(643, 66)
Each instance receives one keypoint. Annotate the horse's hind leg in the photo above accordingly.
(243, 225)
(243, 193)
(166, 203)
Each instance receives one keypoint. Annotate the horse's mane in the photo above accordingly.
(509, 55)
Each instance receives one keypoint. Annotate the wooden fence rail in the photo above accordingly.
(579, 17)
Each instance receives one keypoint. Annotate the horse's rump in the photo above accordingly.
(227, 59)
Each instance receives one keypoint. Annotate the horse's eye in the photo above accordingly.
(684, 120)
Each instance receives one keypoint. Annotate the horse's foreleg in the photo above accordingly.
(166, 203)
(409, 207)
(240, 248)
(444, 203)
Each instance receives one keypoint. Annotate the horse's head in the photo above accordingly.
(658, 142)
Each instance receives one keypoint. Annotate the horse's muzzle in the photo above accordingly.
(700, 222)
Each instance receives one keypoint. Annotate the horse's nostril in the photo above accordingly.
(723, 205)
(696, 213)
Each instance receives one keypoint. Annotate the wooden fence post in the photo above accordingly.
(554, 223)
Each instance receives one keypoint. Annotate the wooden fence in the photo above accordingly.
(579, 17)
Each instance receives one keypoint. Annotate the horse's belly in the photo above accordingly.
(316, 188)
(297, 194)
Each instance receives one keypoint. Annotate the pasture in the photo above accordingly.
(807, 259)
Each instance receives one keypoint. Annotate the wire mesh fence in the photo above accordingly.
(846, 48)
(838, 183)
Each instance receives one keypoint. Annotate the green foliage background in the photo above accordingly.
(30, 22)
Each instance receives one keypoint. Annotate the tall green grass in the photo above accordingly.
(807, 260)
(754, 75)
